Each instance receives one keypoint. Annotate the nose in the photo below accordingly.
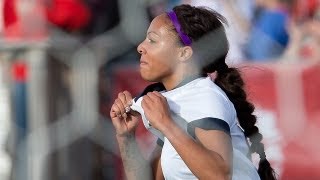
(140, 49)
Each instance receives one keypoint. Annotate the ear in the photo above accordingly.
(185, 53)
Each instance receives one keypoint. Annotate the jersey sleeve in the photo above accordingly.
(209, 110)
(208, 123)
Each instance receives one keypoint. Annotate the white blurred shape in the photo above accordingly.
(272, 138)
(5, 161)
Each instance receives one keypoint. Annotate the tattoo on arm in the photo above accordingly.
(135, 166)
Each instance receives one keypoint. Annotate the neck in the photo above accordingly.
(178, 78)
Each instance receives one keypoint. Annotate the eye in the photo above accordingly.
(150, 40)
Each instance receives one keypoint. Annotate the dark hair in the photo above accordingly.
(206, 30)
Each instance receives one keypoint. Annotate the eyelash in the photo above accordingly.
(150, 40)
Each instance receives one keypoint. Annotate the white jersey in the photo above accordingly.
(201, 103)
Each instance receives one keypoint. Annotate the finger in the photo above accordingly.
(157, 94)
(115, 109)
(147, 98)
(128, 97)
(115, 119)
(146, 102)
(124, 101)
(118, 111)
(156, 97)
(113, 114)
(144, 106)
(122, 97)
(120, 105)
(152, 96)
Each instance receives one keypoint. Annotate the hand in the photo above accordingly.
(156, 110)
(124, 122)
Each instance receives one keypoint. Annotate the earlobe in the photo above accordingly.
(186, 53)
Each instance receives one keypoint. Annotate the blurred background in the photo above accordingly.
(62, 62)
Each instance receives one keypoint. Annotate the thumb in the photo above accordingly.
(115, 119)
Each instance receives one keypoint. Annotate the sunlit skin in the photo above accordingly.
(163, 59)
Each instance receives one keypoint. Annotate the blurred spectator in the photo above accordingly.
(172, 3)
(239, 15)
(104, 16)
(269, 37)
(305, 34)
(70, 15)
(157, 8)
(304, 9)
(23, 20)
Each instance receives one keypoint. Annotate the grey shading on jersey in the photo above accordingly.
(208, 123)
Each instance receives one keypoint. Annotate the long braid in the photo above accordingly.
(230, 81)
(205, 27)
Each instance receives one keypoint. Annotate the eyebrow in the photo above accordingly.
(153, 32)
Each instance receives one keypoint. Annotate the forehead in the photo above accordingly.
(162, 25)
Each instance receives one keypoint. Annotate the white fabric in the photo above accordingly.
(199, 99)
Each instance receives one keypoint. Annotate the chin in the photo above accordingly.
(147, 77)
(144, 74)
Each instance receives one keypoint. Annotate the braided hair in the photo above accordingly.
(205, 26)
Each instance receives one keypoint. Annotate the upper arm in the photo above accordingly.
(216, 141)
(156, 163)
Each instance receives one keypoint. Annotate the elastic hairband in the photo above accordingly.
(185, 38)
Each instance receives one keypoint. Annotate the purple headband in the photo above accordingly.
(185, 39)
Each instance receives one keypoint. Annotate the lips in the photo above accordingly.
(143, 62)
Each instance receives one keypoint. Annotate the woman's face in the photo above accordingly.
(159, 51)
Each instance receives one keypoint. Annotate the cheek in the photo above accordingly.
(162, 66)
(161, 62)
(164, 60)
(156, 70)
